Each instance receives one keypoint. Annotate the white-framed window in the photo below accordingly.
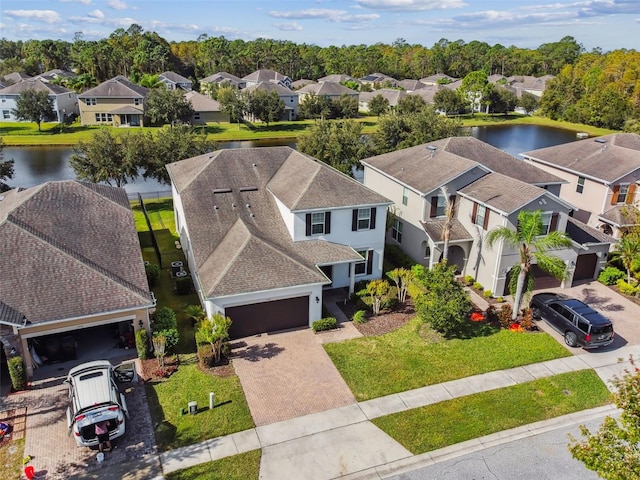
(427, 251)
(6, 114)
(137, 101)
(396, 231)
(317, 223)
(481, 213)
(622, 193)
(546, 222)
(441, 206)
(361, 267)
(364, 218)
(405, 196)
(91, 101)
(580, 185)
(103, 117)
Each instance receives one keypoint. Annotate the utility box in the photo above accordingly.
(193, 408)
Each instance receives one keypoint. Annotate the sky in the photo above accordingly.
(604, 24)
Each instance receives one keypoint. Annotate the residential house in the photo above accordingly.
(72, 266)
(56, 74)
(427, 93)
(64, 100)
(377, 80)
(488, 188)
(526, 83)
(411, 85)
(303, 82)
(601, 177)
(117, 102)
(174, 81)
(266, 75)
(288, 96)
(338, 78)
(330, 90)
(205, 109)
(438, 79)
(14, 77)
(220, 79)
(266, 230)
(393, 97)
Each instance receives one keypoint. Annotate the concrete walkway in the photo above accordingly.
(344, 443)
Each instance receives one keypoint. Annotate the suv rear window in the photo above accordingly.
(597, 330)
(89, 376)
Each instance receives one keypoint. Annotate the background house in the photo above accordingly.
(267, 75)
(330, 90)
(205, 109)
(174, 80)
(117, 102)
(265, 230)
(72, 268)
(289, 97)
(64, 100)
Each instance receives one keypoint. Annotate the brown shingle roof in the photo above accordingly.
(116, 87)
(327, 88)
(70, 249)
(606, 158)
(502, 193)
(34, 84)
(264, 75)
(270, 86)
(584, 234)
(621, 215)
(238, 237)
(433, 228)
(202, 103)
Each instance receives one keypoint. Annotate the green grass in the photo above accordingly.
(188, 384)
(402, 360)
(446, 423)
(11, 455)
(245, 466)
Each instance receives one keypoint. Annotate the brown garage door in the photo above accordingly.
(541, 280)
(264, 317)
(585, 267)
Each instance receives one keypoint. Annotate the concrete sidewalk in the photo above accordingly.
(344, 443)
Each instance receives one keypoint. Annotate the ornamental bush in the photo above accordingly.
(17, 373)
(487, 294)
(394, 255)
(142, 344)
(626, 288)
(153, 274)
(359, 316)
(328, 323)
(611, 275)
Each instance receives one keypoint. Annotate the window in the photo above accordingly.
(137, 101)
(427, 252)
(6, 114)
(580, 186)
(365, 267)
(196, 116)
(317, 223)
(546, 222)
(480, 215)
(91, 101)
(363, 219)
(405, 196)
(103, 117)
(441, 206)
(396, 231)
(622, 194)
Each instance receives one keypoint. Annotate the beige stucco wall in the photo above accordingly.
(104, 105)
(211, 117)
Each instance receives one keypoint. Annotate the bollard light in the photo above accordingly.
(211, 400)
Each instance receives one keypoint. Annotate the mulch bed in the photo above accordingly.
(150, 367)
(387, 321)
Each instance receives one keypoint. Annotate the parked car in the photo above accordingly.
(94, 397)
(580, 324)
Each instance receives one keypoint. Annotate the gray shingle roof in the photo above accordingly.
(621, 215)
(393, 96)
(69, 249)
(239, 240)
(584, 234)
(433, 228)
(264, 75)
(338, 78)
(202, 103)
(221, 77)
(409, 84)
(34, 84)
(270, 87)
(327, 88)
(606, 158)
(175, 77)
(502, 193)
(116, 87)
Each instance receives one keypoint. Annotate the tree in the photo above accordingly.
(167, 106)
(377, 289)
(528, 102)
(402, 278)
(530, 241)
(450, 215)
(6, 169)
(34, 106)
(102, 159)
(378, 105)
(214, 331)
(628, 250)
(410, 104)
(315, 106)
(233, 102)
(345, 107)
(448, 101)
(473, 89)
(613, 451)
(266, 106)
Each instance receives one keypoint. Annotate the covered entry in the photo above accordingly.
(247, 320)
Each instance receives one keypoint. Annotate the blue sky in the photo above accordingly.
(607, 24)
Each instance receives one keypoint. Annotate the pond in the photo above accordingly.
(35, 165)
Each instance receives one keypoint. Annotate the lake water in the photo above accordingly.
(35, 165)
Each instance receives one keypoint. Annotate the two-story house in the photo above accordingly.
(288, 96)
(488, 188)
(265, 230)
(600, 176)
(63, 100)
(267, 75)
(174, 81)
(117, 102)
(330, 90)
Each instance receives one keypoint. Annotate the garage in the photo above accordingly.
(585, 267)
(541, 280)
(264, 317)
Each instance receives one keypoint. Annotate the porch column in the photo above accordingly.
(352, 277)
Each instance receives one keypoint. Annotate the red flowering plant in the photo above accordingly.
(516, 327)
(477, 317)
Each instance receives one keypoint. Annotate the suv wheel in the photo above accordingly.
(571, 339)
(535, 312)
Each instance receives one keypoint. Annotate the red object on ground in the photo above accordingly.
(30, 472)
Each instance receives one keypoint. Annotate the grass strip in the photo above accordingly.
(166, 398)
(244, 466)
(436, 426)
(402, 360)
(11, 455)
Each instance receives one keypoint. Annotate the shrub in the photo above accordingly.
(171, 335)
(469, 280)
(183, 286)
(611, 275)
(17, 373)
(359, 316)
(142, 344)
(492, 314)
(163, 319)
(394, 255)
(389, 303)
(153, 274)
(487, 294)
(328, 323)
(205, 355)
(478, 286)
(526, 321)
(626, 288)
(499, 299)
(504, 315)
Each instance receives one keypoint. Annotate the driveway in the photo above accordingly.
(623, 313)
(287, 375)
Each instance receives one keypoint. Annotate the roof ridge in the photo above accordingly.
(241, 247)
(310, 180)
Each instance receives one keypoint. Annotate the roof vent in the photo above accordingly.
(432, 149)
(253, 164)
(601, 140)
(215, 207)
(248, 189)
(233, 205)
(222, 190)
(248, 206)
(252, 215)
(1, 197)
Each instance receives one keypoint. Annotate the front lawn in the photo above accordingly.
(244, 466)
(189, 383)
(11, 455)
(436, 426)
(402, 360)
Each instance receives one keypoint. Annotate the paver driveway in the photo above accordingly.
(287, 375)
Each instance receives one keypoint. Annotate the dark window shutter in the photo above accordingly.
(631, 193)
(354, 220)
(370, 262)
(308, 224)
(372, 223)
(614, 197)
(474, 213)
(327, 223)
(553, 226)
(434, 206)
(486, 218)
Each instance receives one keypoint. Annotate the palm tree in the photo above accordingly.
(628, 250)
(450, 213)
(531, 244)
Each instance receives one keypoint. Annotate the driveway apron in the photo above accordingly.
(287, 375)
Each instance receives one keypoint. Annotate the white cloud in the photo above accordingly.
(288, 27)
(337, 16)
(117, 5)
(46, 16)
(411, 5)
(84, 2)
(96, 14)
(104, 21)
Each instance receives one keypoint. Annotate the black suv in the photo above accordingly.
(580, 324)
